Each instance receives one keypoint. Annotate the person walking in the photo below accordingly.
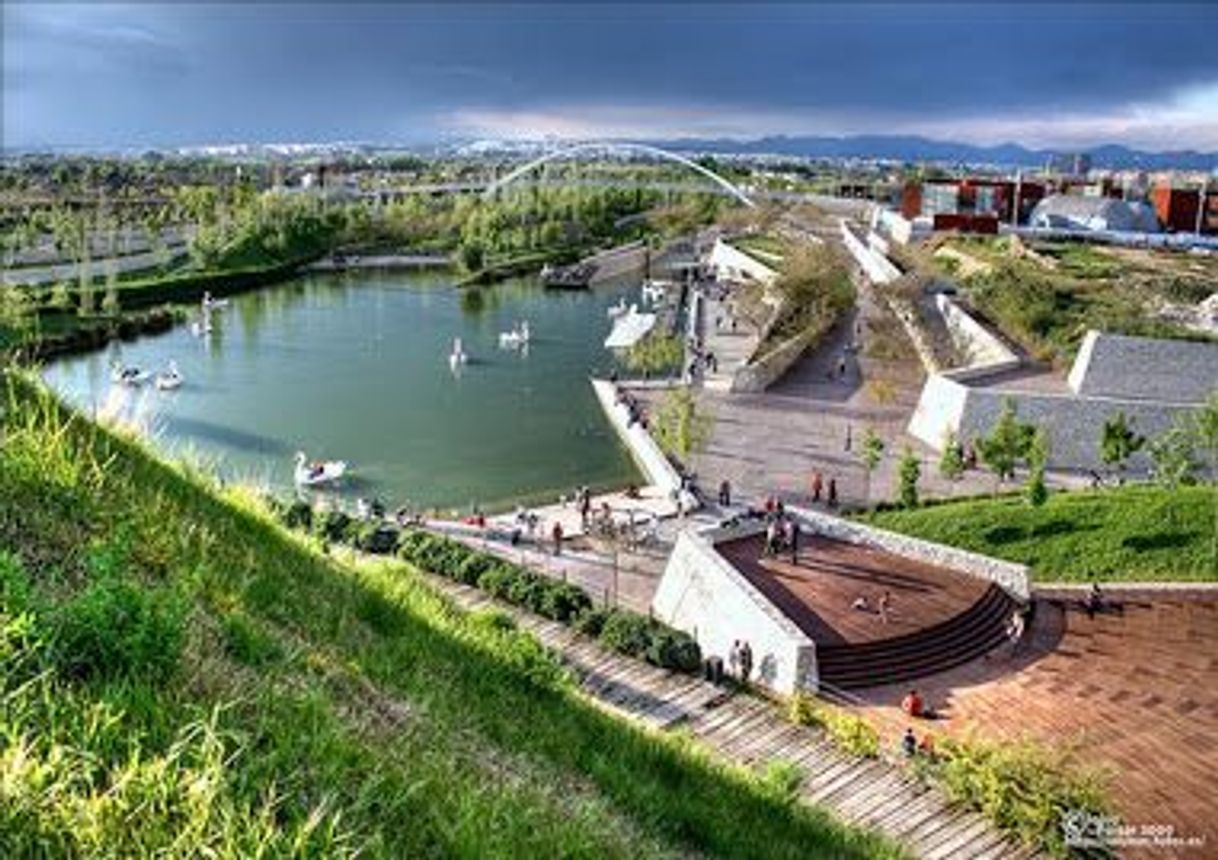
(556, 534)
(818, 486)
(746, 662)
(793, 540)
(733, 659)
(884, 605)
(849, 437)
(833, 492)
(725, 493)
(585, 505)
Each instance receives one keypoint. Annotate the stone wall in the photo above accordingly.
(706, 597)
(1010, 576)
(1176, 371)
(760, 372)
(617, 261)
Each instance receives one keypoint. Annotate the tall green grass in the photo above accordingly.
(181, 676)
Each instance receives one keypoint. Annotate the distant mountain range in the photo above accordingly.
(913, 148)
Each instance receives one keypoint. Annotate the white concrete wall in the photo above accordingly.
(878, 268)
(732, 264)
(646, 453)
(982, 348)
(939, 410)
(706, 597)
(1010, 576)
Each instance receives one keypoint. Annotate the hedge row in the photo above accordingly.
(622, 630)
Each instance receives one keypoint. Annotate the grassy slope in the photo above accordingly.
(1134, 533)
(318, 706)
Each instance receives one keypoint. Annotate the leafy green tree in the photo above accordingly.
(1035, 490)
(472, 255)
(1173, 458)
(679, 426)
(951, 463)
(1007, 444)
(909, 471)
(1119, 442)
(871, 452)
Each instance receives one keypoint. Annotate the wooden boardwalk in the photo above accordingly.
(748, 731)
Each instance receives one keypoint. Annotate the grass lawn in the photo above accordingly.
(182, 677)
(1135, 533)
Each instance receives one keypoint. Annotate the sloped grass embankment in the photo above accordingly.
(180, 676)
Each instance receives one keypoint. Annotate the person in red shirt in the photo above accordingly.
(912, 704)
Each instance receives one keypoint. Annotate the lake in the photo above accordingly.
(355, 367)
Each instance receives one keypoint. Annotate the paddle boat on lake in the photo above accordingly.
(457, 357)
(318, 472)
(129, 375)
(516, 338)
(170, 378)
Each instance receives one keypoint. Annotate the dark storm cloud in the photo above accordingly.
(170, 73)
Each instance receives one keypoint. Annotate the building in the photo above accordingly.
(1177, 209)
(1071, 212)
(971, 203)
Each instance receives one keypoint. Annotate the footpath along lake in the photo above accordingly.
(355, 367)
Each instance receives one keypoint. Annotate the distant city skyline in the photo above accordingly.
(1069, 76)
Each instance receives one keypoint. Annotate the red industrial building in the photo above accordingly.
(1177, 209)
(971, 205)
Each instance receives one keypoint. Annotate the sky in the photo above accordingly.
(1067, 76)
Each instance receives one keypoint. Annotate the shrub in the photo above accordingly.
(1022, 787)
(563, 602)
(627, 632)
(592, 620)
(497, 580)
(376, 538)
(852, 733)
(473, 567)
(298, 515)
(114, 628)
(673, 649)
(333, 526)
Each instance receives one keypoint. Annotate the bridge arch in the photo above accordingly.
(512, 176)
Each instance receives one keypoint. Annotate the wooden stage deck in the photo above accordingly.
(818, 591)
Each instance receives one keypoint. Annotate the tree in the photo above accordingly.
(1007, 444)
(679, 427)
(951, 464)
(909, 471)
(1173, 458)
(472, 255)
(1036, 491)
(1119, 442)
(871, 452)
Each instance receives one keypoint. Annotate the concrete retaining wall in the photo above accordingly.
(982, 349)
(878, 268)
(731, 264)
(1010, 576)
(646, 453)
(759, 373)
(706, 597)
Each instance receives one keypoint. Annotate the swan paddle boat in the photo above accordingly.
(618, 310)
(210, 304)
(653, 291)
(457, 357)
(128, 375)
(318, 472)
(169, 378)
(516, 338)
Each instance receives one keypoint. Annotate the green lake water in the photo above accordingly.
(355, 367)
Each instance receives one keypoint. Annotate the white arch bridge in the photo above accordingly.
(615, 146)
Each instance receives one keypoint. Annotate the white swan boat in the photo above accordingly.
(516, 338)
(210, 304)
(653, 291)
(618, 310)
(128, 375)
(457, 357)
(314, 474)
(170, 378)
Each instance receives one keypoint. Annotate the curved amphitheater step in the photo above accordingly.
(925, 652)
(748, 731)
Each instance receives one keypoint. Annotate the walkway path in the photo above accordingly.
(749, 732)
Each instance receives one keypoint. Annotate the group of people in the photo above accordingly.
(821, 488)
(634, 410)
(883, 606)
(740, 660)
(915, 707)
(700, 359)
(781, 531)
